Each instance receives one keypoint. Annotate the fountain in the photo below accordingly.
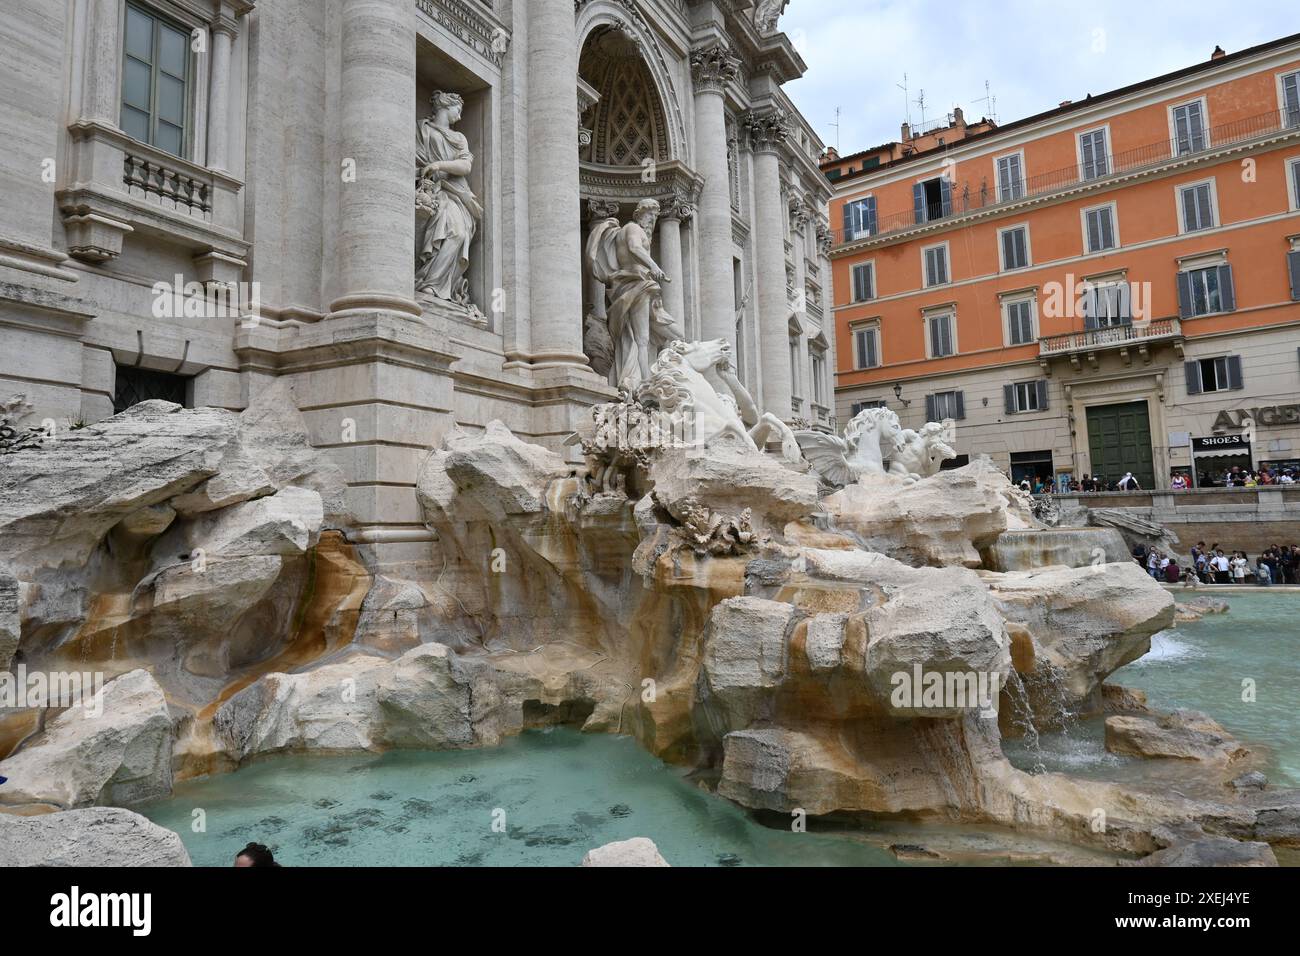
(801, 638)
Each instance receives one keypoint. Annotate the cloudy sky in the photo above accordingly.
(1033, 53)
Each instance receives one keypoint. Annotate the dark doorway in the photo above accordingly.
(135, 385)
(1032, 465)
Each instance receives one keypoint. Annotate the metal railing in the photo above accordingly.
(1110, 336)
(969, 196)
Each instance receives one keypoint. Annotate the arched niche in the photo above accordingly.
(620, 57)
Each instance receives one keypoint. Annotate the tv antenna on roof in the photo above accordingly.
(836, 124)
(907, 103)
(991, 100)
(920, 101)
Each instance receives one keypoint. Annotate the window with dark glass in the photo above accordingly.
(155, 80)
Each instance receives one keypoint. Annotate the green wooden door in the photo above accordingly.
(1119, 440)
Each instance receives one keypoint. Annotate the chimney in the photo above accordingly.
(907, 133)
(1218, 53)
(958, 118)
(1065, 103)
(831, 155)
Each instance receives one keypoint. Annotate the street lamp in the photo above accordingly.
(898, 395)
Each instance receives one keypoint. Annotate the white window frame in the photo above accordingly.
(875, 293)
(871, 327)
(997, 176)
(1292, 187)
(1281, 94)
(1214, 205)
(854, 203)
(1173, 127)
(1205, 264)
(1016, 299)
(1002, 249)
(1104, 128)
(1031, 387)
(949, 311)
(946, 391)
(1114, 227)
(947, 265)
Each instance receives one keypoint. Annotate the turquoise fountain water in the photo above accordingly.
(1202, 665)
(562, 793)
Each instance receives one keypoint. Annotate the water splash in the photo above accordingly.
(1022, 718)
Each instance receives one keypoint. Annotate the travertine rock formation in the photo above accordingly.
(1181, 735)
(841, 654)
(120, 755)
(98, 836)
(638, 851)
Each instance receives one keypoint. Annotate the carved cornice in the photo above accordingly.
(464, 21)
(768, 129)
(674, 185)
(713, 67)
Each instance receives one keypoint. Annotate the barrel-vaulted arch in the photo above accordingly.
(620, 80)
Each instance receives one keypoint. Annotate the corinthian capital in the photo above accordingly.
(825, 239)
(768, 129)
(712, 67)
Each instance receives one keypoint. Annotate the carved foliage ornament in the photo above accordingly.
(713, 67)
(768, 129)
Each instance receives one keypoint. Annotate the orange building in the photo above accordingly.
(1111, 286)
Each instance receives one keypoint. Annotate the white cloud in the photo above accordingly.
(1033, 53)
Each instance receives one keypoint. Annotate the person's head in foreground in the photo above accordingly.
(255, 854)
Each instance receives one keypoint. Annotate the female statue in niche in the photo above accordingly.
(446, 212)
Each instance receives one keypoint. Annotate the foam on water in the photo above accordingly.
(1166, 647)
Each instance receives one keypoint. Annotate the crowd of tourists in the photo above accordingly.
(1279, 564)
(1238, 477)
(1043, 485)
(1234, 477)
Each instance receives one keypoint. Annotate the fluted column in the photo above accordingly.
(711, 68)
(768, 131)
(375, 257)
(223, 38)
(670, 258)
(555, 260)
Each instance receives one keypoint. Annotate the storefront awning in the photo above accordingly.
(1226, 446)
(1235, 452)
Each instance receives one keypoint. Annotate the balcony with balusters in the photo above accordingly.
(1127, 339)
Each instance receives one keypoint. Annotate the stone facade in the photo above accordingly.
(274, 236)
